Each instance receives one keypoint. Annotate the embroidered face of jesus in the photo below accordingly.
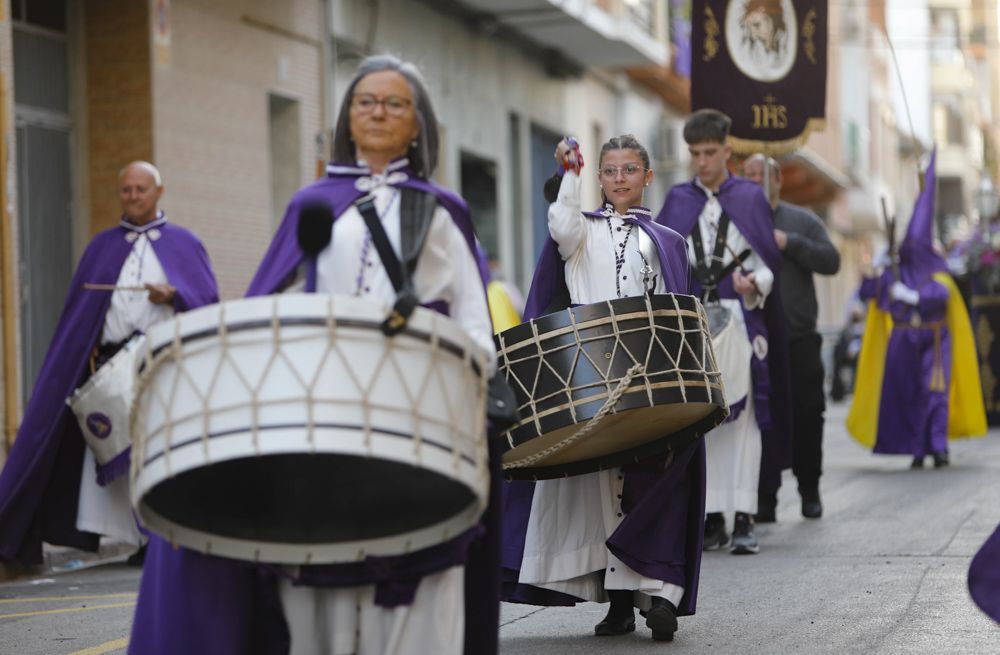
(763, 22)
(383, 119)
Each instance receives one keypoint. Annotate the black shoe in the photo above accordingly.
(613, 626)
(940, 460)
(662, 619)
(715, 532)
(138, 558)
(621, 617)
(917, 463)
(744, 541)
(812, 508)
(766, 508)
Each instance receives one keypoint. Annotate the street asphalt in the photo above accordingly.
(884, 571)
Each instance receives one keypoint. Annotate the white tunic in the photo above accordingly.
(572, 518)
(106, 510)
(446, 269)
(733, 449)
(131, 310)
(346, 621)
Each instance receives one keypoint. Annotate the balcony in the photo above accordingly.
(600, 33)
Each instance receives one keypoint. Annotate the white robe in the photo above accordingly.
(345, 621)
(733, 449)
(106, 510)
(572, 518)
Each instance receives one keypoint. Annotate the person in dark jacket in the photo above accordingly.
(806, 250)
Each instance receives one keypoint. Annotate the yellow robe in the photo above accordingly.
(966, 413)
(501, 308)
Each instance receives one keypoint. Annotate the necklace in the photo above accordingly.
(619, 254)
(366, 248)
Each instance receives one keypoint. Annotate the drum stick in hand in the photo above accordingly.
(94, 286)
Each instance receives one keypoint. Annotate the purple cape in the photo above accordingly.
(549, 280)
(745, 204)
(339, 191)
(663, 528)
(984, 576)
(40, 484)
(248, 595)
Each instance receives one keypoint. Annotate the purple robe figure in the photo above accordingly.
(40, 483)
(748, 209)
(984, 576)
(913, 415)
(165, 618)
(660, 536)
(913, 410)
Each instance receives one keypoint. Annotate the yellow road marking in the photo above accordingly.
(117, 644)
(53, 599)
(66, 610)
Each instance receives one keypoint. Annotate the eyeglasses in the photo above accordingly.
(365, 103)
(628, 170)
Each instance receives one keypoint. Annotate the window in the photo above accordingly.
(479, 188)
(286, 160)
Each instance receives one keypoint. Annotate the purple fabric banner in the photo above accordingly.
(762, 62)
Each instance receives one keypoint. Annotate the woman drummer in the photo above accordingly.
(385, 147)
(630, 535)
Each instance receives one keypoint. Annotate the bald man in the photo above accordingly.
(52, 488)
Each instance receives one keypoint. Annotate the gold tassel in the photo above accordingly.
(937, 373)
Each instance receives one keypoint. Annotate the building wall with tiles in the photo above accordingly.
(214, 65)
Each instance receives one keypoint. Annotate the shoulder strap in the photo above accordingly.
(416, 215)
(366, 206)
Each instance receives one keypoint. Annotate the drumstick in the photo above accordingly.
(94, 286)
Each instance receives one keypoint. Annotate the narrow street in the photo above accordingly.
(882, 572)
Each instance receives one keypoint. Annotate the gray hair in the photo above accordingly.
(423, 154)
(145, 166)
(768, 161)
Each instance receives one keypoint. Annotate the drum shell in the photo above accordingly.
(564, 366)
(290, 429)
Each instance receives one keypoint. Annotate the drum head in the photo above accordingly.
(308, 498)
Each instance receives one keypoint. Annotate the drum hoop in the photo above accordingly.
(310, 553)
(576, 327)
(637, 388)
(283, 426)
(677, 440)
(256, 324)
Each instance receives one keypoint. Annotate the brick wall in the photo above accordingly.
(211, 119)
(118, 99)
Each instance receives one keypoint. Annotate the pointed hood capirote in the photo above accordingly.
(918, 261)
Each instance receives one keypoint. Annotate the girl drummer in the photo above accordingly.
(628, 535)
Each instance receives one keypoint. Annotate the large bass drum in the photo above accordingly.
(289, 429)
(610, 383)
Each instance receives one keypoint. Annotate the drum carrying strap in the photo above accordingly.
(416, 214)
(711, 275)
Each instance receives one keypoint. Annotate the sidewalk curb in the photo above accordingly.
(58, 559)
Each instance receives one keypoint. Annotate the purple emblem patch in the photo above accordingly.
(99, 425)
